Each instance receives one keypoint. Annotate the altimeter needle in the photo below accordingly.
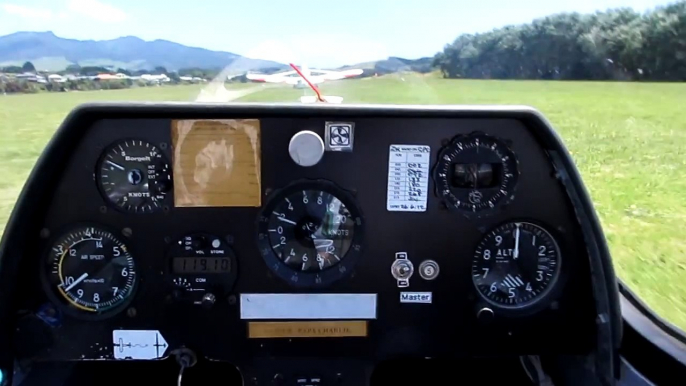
(515, 253)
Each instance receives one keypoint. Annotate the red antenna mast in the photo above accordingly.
(312, 86)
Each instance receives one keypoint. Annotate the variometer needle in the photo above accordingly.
(286, 220)
(515, 253)
(115, 165)
(77, 281)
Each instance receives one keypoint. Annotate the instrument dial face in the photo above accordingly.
(134, 175)
(476, 173)
(308, 231)
(516, 265)
(91, 271)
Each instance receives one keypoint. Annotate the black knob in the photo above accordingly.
(199, 242)
(208, 300)
(164, 186)
(485, 315)
(278, 380)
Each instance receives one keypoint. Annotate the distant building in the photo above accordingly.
(55, 78)
(155, 79)
(106, 77)
(192, 79)
(31, 77)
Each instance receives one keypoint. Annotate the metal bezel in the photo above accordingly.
(542, 300)
(64, 306)
(311, 279)
(440, 183)
(98, 176)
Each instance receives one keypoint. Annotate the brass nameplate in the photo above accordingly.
(341, 329)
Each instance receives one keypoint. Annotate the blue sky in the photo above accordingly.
(317, 33)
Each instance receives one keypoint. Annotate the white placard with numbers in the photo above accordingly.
(408, 178)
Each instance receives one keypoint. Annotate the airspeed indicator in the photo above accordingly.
(90, 271)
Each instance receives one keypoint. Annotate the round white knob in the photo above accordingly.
(428, 269)
(306, 148)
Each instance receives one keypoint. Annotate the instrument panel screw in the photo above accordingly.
(127, 232)
(167, 239)
(268, 191)
(163, 145)
(44, 233)
(131, 312)
(445, 142)
(103, 209)
(232, 299)
(165, 209)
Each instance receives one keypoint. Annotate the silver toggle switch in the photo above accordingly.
(402, 269)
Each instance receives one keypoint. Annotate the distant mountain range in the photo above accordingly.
(48, 52)
(52, 53)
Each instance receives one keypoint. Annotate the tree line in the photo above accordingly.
(618, 44)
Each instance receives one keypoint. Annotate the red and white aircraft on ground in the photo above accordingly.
(296, 80)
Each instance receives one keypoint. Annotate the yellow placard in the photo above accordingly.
(328, 329)
(216, 163)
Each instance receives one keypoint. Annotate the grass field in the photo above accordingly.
(628, 140)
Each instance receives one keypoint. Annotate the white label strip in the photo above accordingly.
(408, 178)
(308, 306)
(138, 344)
(416, 297)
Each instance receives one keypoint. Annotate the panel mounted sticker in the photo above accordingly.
(216, 163)
(138, 344)
(408, 178)
(339, 136)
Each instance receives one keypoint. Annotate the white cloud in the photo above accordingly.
(28, 12)
(98, 11)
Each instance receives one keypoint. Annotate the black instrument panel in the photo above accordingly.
(461, 320)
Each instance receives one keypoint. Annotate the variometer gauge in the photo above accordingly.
(134, 176)
(476, 173)
(310, 233)
(90, 271)
(516, 265)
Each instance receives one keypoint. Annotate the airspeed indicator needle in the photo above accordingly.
(77, 281)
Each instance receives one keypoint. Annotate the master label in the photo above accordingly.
(416, 297)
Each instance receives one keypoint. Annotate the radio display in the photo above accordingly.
(182, 265)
